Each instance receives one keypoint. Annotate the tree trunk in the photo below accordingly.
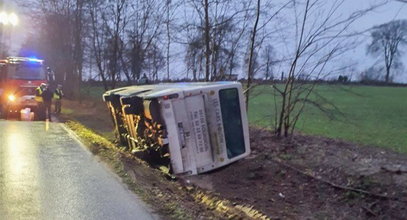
(250, 71)
(387, 74)
(168, 39)
(207, 41)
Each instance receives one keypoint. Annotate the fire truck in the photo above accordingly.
(19, 77)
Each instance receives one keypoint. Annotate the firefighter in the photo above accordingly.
(58, 94)
(38, 92)
(47, 101)
(40, 114)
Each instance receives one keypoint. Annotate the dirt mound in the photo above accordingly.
(313, 177)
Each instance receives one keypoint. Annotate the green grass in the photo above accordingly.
(92, 92)
(371, 115)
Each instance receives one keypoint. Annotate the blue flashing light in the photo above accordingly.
(31, 59)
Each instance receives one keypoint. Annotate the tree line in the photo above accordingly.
(119, 41)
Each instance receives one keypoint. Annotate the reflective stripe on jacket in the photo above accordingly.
(58, 94)
(38, 94)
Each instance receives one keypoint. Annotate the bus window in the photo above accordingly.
(232, 122)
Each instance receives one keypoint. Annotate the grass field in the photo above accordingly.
(371, 115)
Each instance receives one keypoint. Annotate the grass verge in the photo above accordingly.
(171, 199)
(112, 156)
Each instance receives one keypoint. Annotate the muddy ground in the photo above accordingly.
(305, 177)
(314, 178)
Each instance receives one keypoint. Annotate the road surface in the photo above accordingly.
(45, 173)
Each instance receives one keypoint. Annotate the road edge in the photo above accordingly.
(221, 208)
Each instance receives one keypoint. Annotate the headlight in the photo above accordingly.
(11, 98)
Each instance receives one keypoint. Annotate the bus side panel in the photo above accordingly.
(198, 122)
(216, 131)
(245, 122)
(185, 134)
(168, 113)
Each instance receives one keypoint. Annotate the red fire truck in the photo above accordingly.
(19, 76)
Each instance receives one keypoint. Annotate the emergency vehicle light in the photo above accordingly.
(11, 98)
(16, 60)
(35, 60)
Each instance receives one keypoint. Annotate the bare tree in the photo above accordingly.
(115, 16)
(321, 36)
(250, 71)
(372, 74)
(168, 37)
(60, 38)
(222, 52)
(98, 38)
(269, 60)
(124, 39)
(78, 42)
(155, 62)
(207, 31)
(194, 57)
(171, 9)
(386, 42)
(222, 25)
(143, 35)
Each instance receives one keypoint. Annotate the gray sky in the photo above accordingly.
(391, 11)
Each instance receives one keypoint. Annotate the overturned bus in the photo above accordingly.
(193, 127)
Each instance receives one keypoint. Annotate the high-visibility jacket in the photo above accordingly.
(38, 94)
(58, 94)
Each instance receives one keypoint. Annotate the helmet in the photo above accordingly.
(43, 85)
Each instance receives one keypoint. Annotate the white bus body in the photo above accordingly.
(203, 125)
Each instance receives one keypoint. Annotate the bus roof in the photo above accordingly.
(163, 89)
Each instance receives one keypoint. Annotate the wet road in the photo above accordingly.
(45, 173)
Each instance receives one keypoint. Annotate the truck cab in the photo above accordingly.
(19, 76)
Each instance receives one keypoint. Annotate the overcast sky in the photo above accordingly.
(391, 11)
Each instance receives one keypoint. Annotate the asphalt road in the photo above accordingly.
(45, 173)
